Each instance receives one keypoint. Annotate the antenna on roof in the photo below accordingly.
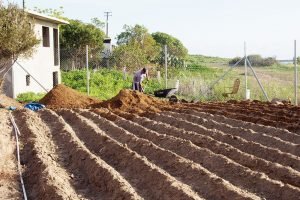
(107, 14)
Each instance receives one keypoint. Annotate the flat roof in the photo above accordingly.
(37, 15)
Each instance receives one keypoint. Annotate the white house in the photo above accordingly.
(41, 72)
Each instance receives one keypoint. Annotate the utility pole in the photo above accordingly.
(23, 4)
(107, 14)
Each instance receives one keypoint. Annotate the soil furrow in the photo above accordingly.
(273, 170)
(276, 132)
(267, 153)
(240, 176)
(201, 180)
(257, 112)
(149, 180)
(39, 158)
(238, 114)
(9, 177)
(241, 132)
(95, 176)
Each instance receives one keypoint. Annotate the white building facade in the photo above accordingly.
(41, 72)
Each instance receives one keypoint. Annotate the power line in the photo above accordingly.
(107, 14)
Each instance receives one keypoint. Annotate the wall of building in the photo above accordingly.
(40, 65)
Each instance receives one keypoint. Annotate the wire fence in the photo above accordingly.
(76, 59)
(196, 82)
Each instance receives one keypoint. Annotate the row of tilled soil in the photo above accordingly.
(260, 180)
(69, 157)
(283, 134)
(9, 180)
(276, 116)
(176, 154)
(239, 155)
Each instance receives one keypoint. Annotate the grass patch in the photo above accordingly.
(30, 97)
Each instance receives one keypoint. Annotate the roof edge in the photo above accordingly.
(37, 15)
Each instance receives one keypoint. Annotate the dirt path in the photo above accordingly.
(201, 180)
(151, 182)
(9, 177)
(222, 166)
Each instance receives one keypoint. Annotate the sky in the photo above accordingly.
(207, 27)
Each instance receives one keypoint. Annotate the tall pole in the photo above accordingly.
(23, 4)
(166, 65)
(87, 71)
(296, 73)
(246, 71)
(107, 14)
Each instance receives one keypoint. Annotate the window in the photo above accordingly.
(55, 79)
(46, 38)
(55, 47)
(27, 80)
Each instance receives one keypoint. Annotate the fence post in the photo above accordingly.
(87, 71)
(296, 73)
(246, 71)
(166, 65)
(194, 87)
(158, 76)
(124, 73)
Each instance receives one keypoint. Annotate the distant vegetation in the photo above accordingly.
(255, 60)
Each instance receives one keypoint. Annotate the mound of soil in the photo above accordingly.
(62, 96)
(6, 101)
(133, 101)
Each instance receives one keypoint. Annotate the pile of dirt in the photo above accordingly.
(6, 101)
(133, 101)
(62, 96)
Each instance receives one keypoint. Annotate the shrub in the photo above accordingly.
(255, 60)
(30, 97)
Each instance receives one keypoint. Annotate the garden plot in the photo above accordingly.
(176, 151)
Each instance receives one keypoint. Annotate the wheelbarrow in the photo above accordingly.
(167, 93)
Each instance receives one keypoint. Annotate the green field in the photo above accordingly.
(195, 81)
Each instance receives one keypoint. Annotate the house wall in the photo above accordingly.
(40, 65)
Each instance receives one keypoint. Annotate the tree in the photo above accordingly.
(58, 13)
(175, 46)
(139, 37)
(75, 36)
(255, 60)
(129, 56)
(17, 37)
(177, 52)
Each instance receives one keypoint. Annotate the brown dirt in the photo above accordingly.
(258, 183)
(133, 101)
(6, 101)
(280, 116)
(9, 186)
(62, 96)
(135, 146)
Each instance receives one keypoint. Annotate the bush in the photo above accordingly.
(255, 60)
(30, 97)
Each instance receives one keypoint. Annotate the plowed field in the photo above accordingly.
(187, 151)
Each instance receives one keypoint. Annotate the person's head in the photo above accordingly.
(144, 70)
